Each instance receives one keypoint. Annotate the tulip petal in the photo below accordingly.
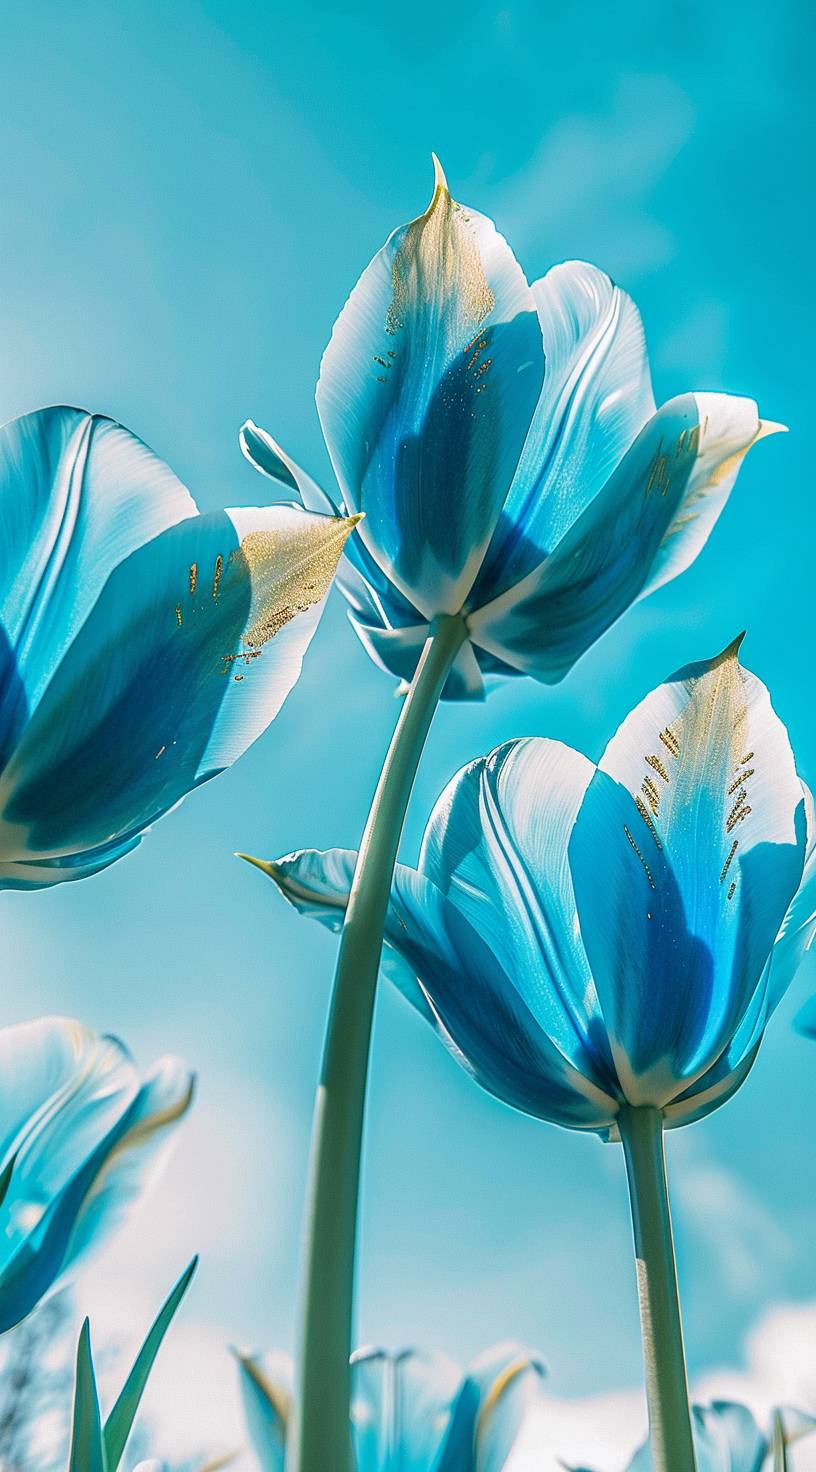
(726, 1439)
(78, 494)
(266, 1392)
(645, 526)
(317, 883)
(409, 1410)
(496, 846)
(596, 398)
(696, 822)
(426, 393)
(188, 654)
(397, 652)
(508, 1378)
(136, 1152)
(444, 967)
(798, 929)
(485, 1016)
(86, 1085)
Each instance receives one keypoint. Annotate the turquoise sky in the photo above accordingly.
(188, 191)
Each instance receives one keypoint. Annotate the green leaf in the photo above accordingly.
(121, 1418)
(5, 1177)
(87, 1442)
(780, 1451)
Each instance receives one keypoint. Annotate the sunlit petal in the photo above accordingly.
(426, 392)
(685, 856)
(188, 654)
(645, 525)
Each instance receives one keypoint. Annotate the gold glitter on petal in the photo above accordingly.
(290, 571)
(438, 260)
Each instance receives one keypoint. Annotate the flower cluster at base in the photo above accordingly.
(143, 646)
(584, 937)
(408, 1409)
(503, 442)
(81, 1139)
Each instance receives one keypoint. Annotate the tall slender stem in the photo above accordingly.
(320, 1433)
(663, 1354)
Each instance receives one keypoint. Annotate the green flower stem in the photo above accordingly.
(663, 1355)
(320, 1436)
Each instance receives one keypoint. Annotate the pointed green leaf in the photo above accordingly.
(87, 1442)
(780, 1451)
(5, 1177)
(121, 1418)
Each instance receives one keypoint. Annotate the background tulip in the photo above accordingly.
(142, 647)
(409, 1410)
(504, 444)
(727, 1438)
(602, 947)
(81, 1138)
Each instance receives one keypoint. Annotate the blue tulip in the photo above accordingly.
(81, 1137)
(585, 937)
(410, 1412)
(143, 647)
(504, 444)
(727, 1438)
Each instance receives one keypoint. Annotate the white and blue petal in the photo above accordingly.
(76, 1131)
(133, 1155)
(317, 883)
(596, 398)
(266, 1394)
(185, 658)
(426, 393)
(78, 494)
(486, 1015)
(696, 823)
(508, 1379)
(726, 1439)
(645, 526)
(496, 846)
(410, 1411)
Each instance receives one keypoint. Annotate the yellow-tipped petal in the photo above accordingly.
(266, 866)
(440, 182)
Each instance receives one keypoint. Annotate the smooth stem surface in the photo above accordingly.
(663, 1355)
(320, 1440)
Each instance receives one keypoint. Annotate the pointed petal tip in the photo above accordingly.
(440, 182)
(440, 189)
(266, 866)
(354, 519)
(731, 651)
(768, 427)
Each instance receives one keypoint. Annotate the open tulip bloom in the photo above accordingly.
(143, 646)
(81, 1139)
(410, 1412)
(520, 491)
(602, 946)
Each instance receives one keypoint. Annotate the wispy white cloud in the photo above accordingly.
(586, 190)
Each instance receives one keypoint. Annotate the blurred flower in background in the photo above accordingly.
(143, 647)
(408, 1409)
(504, 444)
(81, 1138)
(727, 1438)
(586, 937)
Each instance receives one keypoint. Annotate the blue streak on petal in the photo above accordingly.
(426, 392)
